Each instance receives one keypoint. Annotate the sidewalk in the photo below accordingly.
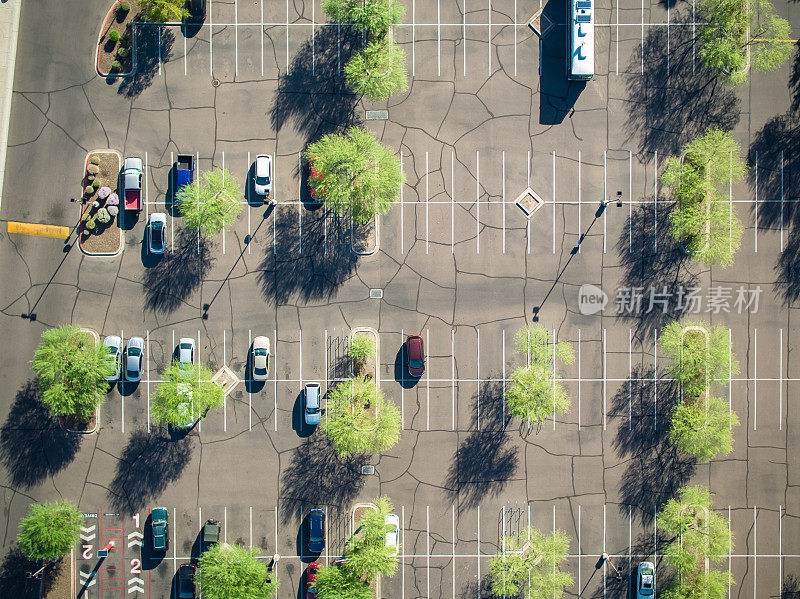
(9, 28)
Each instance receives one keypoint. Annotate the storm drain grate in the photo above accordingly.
(368, 469)
(376, 293)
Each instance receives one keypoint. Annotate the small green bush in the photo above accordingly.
(361, 347)
(124, 8)
(122, 52)
(90, 225)
(95, 184)
(89, 178)
(86, 216)
(116, 66)
(92, 169)
(113, 35)
(94, 160)
(103, 217)
(88, 190)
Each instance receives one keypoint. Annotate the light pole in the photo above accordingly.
(604, 559)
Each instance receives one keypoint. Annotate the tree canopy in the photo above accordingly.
(228, 571)
(703, 427)
(378, 71)
(210, 204)
(191, 384)
(163, 11)
(49, 530)
(359, 419)
(72, 372)
(334, 582)
(360, 176)
(366, 551)
(531, 561)
(734, 28)
(372, 16)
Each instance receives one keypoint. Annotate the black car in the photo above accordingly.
(185, 582)
(316, 533)
(197, 10)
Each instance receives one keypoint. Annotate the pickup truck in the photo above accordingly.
(132, 183)
(184, 170)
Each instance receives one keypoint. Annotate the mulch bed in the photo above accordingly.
(108, 51)
(365, 237)
(104, 239)
(58, 580)
(73, 423)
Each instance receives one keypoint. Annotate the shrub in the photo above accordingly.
(113, 210)
(103, 192)
(90, 225)
(112, 200)
(94, 160)
(96, 184)
(103, 216)
(362, 347)
(49, 530)
(116, 66)
(122, 52)
(113, 35)
(88, 190)
(89, 178)
(124, 8)
(86, 216)
(92, 169)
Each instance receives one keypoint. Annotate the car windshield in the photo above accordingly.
(134, 351)
(416, 363)
(260, 352)
(260, 371)
(262, 180)
(647, 571)
(311, 410)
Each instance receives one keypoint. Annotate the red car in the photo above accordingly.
(415, 354)
(311, 576)
(314, 180)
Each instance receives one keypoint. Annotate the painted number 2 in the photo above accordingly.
(136, 566)
(87, 551)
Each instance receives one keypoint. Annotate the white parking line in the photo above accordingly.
(580, 547)
(452, 379)
(781, 200)
(730, 386)
(251, 527)
(528, 184)
(604, 543)
(403, 549)
(504, 200)
(275, 377)
(604, 379)
(313, 38)
(755, 551)
(478, 201)
(655, 379)
(146, 190)
(464, 37)
(490, 37)
(630, 377)
(554, 201)
(236, 35)
(780, 549)
(200, 418)
(225, 524)
(225, 396)
(413, 38)
(211, 40)
(403, 379)
(641, 43)
(261, 36)
(667, 40)
(616, 68)
(428, 548)
(579, 381)
(479, 549)
(453, 569)
(755, 375)
(147, 353)
(755, 215)
(452, 205)
(185, 70)
(428, 381)
(504, 380)
(301, 357)
(172, 216)
(122, 396)
(287, 40)
(780, 379)
(630, 201)
(223, 184)
(605, 196)
(554, 379)
(515, 38)
(478, 377)
(580, 230)
(174, 542)
(401, 202)
(439, 37)
(250, 382)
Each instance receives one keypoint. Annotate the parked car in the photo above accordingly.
(184, 170)
(186, 588)
(311, 394)
(317, 190)
(157, 233)
(392, 523)
(186, 413)
(316, 530)
(185, 355)
(134, 353)
(415, 354)
(259, 358)
(159, 528)
(263, 175)
(197, 10)
(132, 183)
(114, 345)
(311, 579)
(645, 576)
(211, 531)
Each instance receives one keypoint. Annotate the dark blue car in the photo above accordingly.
(316, 532)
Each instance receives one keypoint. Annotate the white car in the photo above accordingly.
(392, 523)
(312, 407)
(263, 175)
(133, 359)
(114, 345)
(259, 358)
(157, 233)
(185, 355)
(645, 579)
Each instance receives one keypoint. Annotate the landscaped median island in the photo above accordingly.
(100, 234)
(115, 42)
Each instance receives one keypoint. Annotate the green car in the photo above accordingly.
(159, 528)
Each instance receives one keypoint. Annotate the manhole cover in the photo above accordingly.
(215, 83)
(529, 202)
(376, 293)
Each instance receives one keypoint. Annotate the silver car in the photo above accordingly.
(259, 358)
(114, 345)
(185, 355)
(312, 407)
(392, 525)
(134, 353)
(263, 175)
(157, 233)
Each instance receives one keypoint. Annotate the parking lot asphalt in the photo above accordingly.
(458, 264)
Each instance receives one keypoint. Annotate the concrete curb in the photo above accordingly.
(80, 208)
(110, 14)
(97, 411)
(9, 32)
(377, 246)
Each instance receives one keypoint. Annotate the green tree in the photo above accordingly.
(362, 347)
(163, 11)
(212, 203)
(191, 384)
(49, 530)
(366, 551)
(703, 220)
(531, 561)
(359, 419)
(228, 571)
(378, 71)
(703, 427)
(334, 582)
(360, 176)
(735, 28)
(700, 356)
(372, 16)
(534, 394)
(72, 372)
(700, 538)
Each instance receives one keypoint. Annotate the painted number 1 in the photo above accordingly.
(136, 519)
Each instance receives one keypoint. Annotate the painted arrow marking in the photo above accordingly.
(135, 538)
(135, 585)
(85, 530)
(87, 579)
(88, 528)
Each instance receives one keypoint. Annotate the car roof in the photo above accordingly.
(158, 217)
(159, 511)
(261, 341)
(112, 341)
(136, 342)
(186, 340)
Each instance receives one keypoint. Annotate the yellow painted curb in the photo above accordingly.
(40, 230)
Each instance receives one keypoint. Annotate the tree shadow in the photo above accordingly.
(148, 463)
(170, 282)
(32, 444)
(148, 50)
(484, 462)
(655, 469)
(317, 476)
(678, 98)
(558, 94)
(313, 95)
(652, 259)
(312, 266)
(14, 582)
(791, 587)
